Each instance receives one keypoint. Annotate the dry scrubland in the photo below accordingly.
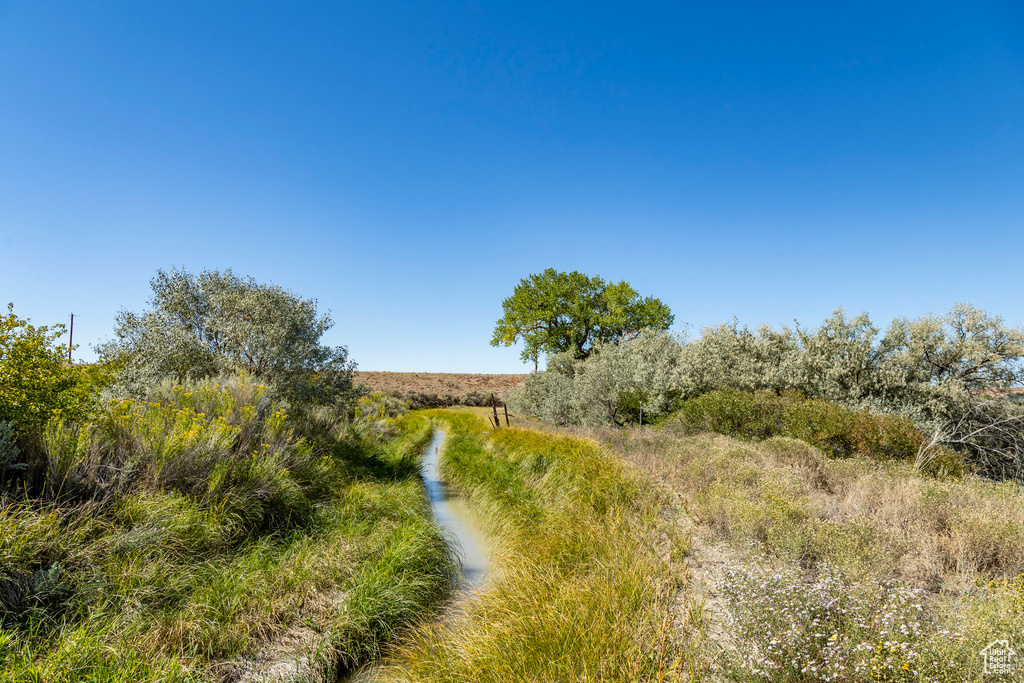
(455, 384)
(810, 568)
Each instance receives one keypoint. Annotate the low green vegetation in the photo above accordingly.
(36, 381)
(585, 577)
(207, 534)
(837, 430)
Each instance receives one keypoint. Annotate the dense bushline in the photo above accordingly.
(584, 582)
(945, 373)
(177, 537)
(837, 430)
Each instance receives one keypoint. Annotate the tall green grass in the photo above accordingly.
(186, 538)
(584, 581)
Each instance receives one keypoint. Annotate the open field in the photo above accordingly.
(441, 383)
(811, 568)
(441, 389)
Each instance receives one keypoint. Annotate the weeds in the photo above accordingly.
(855, 570)
(827, 629)
(180, 538)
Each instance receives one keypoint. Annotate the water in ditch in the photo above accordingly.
(459, 525)
(460, 529)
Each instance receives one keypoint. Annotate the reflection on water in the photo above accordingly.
(460, 530)
(455, 519)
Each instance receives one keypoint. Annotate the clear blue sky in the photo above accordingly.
(407, 163)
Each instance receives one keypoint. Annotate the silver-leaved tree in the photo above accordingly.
(218, 322)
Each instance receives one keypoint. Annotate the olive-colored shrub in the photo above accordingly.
(837, 430)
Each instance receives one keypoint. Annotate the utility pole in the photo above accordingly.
(71, 336)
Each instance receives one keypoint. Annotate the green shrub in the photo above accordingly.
(747, 415)
(829, 426)
(36, 381)
(378, 412)
(224, 443)
(842, 432)
(837, 430)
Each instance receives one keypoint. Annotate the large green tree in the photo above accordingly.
(553, 312)
(217, 322)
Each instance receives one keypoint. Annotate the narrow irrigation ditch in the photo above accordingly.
(452, 514)
(585, 577)
(462, 531)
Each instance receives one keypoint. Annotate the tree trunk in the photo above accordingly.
(611, 415)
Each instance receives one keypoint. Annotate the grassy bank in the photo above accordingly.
(585, 578)
(818, 569)
(210, 535)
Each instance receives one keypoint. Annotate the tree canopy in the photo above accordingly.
(554, 312)
(217, 322)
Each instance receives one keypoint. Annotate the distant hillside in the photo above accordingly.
(441, 388)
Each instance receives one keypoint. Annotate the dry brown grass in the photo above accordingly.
(440, 383)
(783, 506)
(791, 501)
